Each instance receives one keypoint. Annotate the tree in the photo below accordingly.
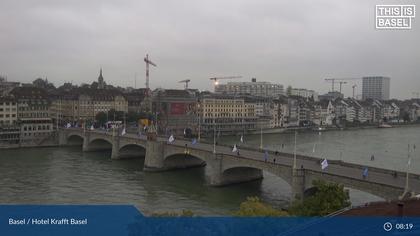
(328, 198)
(254, 207)
(101, 118)
(94, 85)
(289, 90)
(183, 213)
(118, 115)
(44, 84)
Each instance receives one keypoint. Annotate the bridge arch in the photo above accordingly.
(130, 150)
(98, 144)
(74, 139)
(183, 160)
(283, 172)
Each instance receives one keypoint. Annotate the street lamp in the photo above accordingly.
(294, 152)
(199, 121)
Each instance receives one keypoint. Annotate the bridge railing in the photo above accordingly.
(283, 154)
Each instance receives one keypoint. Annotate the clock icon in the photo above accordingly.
(387, 226)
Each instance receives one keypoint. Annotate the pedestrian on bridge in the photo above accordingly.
(372, 158)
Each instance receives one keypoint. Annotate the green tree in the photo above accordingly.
(289, 90)
(101, 118)
(183, 213)
(328, 198)
(118, 115)
(254, 207)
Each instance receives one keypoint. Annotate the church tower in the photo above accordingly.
(101, 82)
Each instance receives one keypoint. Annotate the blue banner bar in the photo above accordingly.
(127, 220)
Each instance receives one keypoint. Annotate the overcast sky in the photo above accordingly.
(297, 43)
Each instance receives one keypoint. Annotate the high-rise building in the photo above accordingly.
(376, 87)
(254, 88)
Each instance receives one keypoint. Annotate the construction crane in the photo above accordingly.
(354, 87)
(341, 81)
(216, 79)
(148, 62)
(147, 101)
(186, 81)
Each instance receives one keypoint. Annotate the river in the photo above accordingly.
(70, 176)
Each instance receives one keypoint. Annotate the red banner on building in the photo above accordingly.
(177, 108)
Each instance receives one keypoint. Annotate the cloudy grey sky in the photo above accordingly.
(292, 42)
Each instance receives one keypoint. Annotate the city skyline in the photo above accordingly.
(279, 42)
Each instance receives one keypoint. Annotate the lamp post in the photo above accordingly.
(214, 135)
(294, 152)
(199, 121)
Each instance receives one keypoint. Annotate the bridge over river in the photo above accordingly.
(225, 167)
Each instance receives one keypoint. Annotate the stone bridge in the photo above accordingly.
(225, 167)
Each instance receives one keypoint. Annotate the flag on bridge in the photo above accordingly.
(242, 138)
(194, 141)
(365, 172)
(123, 132)
(324, 164)
(171, 139)
(235, 149)
(265, 155)
(68, 125)
(92, 128)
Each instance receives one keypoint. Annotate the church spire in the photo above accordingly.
(101, 82)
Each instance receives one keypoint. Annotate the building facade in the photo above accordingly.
(305, 93)
(33, 110)
(224, 114)
(254, 88)
(376, 87)
(176, 111)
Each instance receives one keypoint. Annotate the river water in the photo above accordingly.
(70, 176)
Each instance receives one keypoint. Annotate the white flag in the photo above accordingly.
(324, 164)
(92, 128)
(171, 139)
(123, 132)
(242, 138)
(68, 125)
(313, 149)
(409, 161)
(185, 132)
(235, 149)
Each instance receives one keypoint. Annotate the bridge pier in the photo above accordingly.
(85, 146)
(115, 148)
(298, 184)
(154, 158)
(62, 139)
